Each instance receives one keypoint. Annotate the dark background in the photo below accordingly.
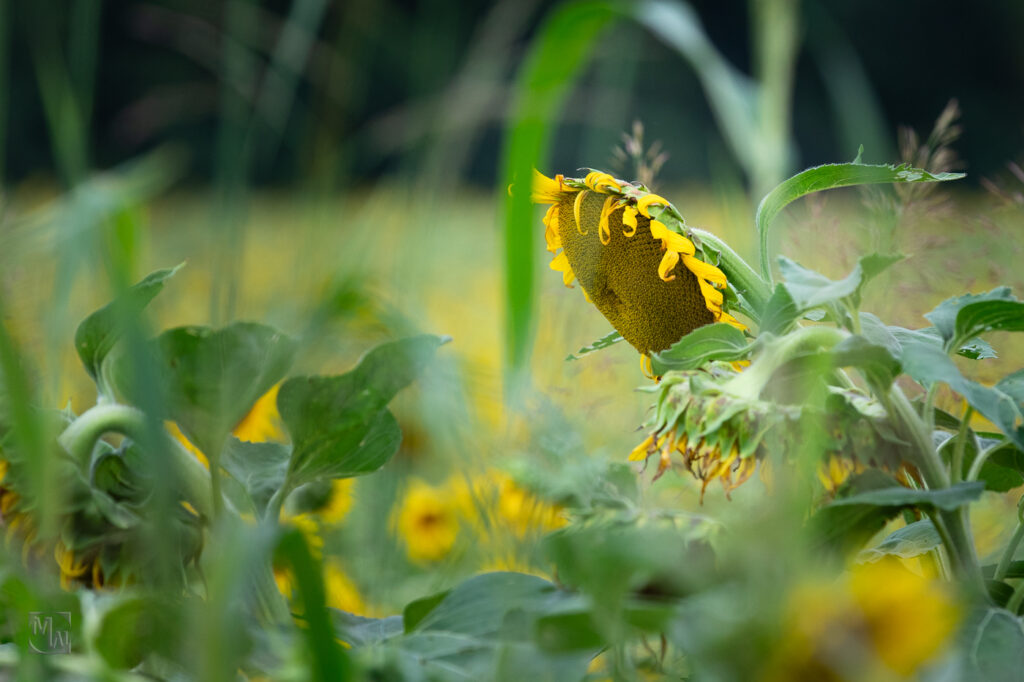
(381, 95)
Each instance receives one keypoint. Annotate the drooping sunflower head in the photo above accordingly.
(721, 432)
(633, 256)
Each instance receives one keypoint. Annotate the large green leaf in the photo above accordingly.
(945, 315)
(994, 646)
(910, 541)
(946, 499)
(848, 527)
(717, 341)
(479, 605)
(340, 425)
(809, 289)
(927, 364)
(826, 177)
(98, 333)
(209, 379)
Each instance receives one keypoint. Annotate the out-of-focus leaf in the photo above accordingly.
(415, 611)
(478, 606)
(98, 333)
(945, 315)
(946, 499)
(340, 425)
(809, 289)
(210, 378)
(557, 53)
(910, 541)
(717, 341)
(876, 361)
(994, 646)
(848, 527)
(606, 341)
(259, 467)
(927, 364)
(359, 631)
(828, 177)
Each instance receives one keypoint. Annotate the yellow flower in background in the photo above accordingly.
(341, 593)
(494, 501)
(648, 280)
(310, 531)
(900, 619)
(339, 503)
(263, 421)
(427, 521)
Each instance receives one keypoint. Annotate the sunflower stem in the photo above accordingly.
(959, 545)
(1003, 567)
(80, 437)
(980, 460)
(957, 463)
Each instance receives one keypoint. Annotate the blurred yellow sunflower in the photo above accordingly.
(427, 521)
(898, 619)
(651, 282)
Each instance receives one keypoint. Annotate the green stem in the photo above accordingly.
(960, 546)
(1013, 606)
(80, 437)
(957, 468)
(277, 501)
(741, 276)
(1011, 549)
(980, 460)
(928, 411)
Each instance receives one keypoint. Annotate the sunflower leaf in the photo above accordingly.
(809, 289)
(259, 467)
(340, 426)
(98, 333)
(907, 542)
(606, 341)
(717, 341)
(1002, 404)
(831, 176)
(210, 377)
(945, 315)
(898, 497)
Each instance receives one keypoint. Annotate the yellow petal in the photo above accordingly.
(677, 242)
(551, 229)
(545, 190)
(560, 263)
(668, 263)
(705, 270)
(712, 295)
(576, 211)
(642, 451)
(629, 221)
(603, 232)
(645, 201)
(597, 180)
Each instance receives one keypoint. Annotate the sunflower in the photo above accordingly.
(653, 282)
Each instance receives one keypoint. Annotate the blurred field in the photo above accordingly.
(350, 271)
